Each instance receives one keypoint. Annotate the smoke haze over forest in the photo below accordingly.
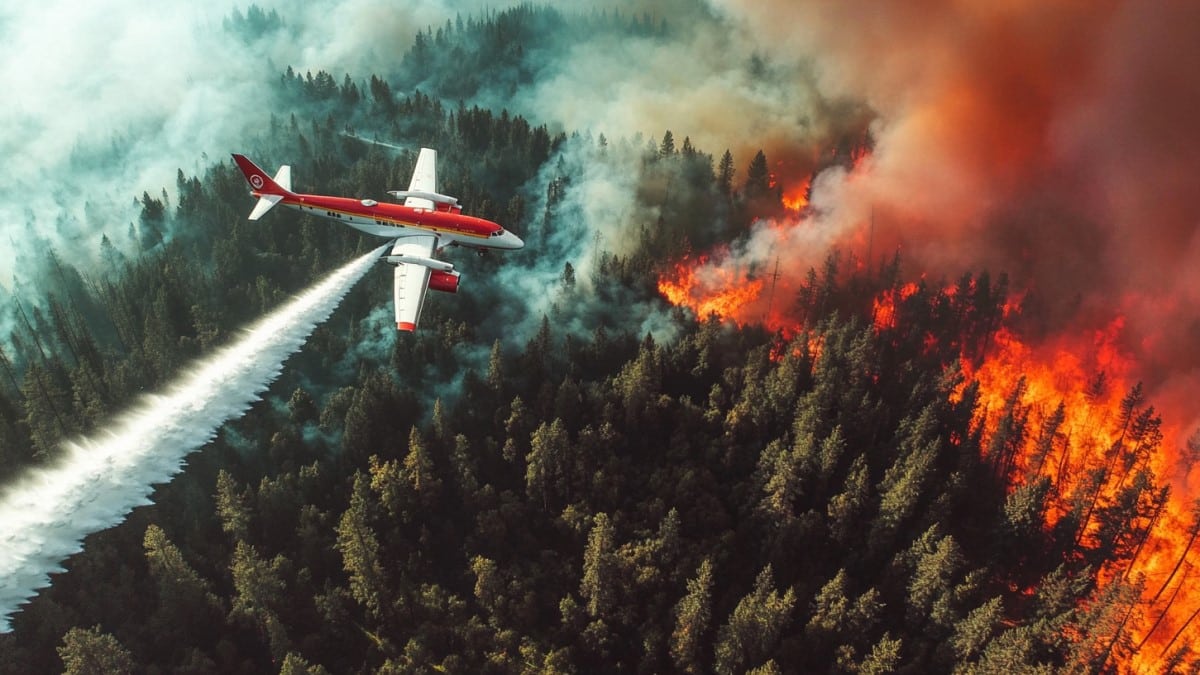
(1052, 142)
(110, 99)
(174, 86)
(562, 428)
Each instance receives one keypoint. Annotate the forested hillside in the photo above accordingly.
(559, 472)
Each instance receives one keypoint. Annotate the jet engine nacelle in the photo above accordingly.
(434, 197)
(446, 282)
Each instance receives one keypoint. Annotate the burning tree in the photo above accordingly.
(1075, 453)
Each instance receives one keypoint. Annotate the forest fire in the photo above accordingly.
(797, 199)
(1049, 165)
(715, 293)
(883, 310)
(709, 287)
(1067, 410)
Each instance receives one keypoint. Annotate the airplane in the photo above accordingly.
(423, 225)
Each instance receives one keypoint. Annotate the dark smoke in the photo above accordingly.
(1055, 141)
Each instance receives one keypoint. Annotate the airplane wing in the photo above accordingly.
(411, 281)
(424, 179)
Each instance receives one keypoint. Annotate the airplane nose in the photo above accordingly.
(515, 241)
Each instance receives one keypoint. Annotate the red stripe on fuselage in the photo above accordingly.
(397, 213)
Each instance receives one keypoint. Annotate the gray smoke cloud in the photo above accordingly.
(109, 99)
(1051, 140)
(123, 96)
(708, 79)
(597, 213)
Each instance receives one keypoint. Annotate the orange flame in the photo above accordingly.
(717, 287)
(1077, 424)
(797, 199)
(884, 306)
(717, 292)
(1089, 434)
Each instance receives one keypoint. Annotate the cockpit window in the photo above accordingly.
(498, 233)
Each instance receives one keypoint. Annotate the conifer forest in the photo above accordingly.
(588, 459)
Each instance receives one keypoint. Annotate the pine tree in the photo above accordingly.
(259, 590)
(598, 586)
(839, 619)
(302, 409)
(187, 604)
(758, 177)
(846, 509)
(754, 626)
(518, 428)
(232, 507)
(89, 651)
(884, 657)
(725, 173)
(667, 147)
(933, 587)
(294, 664)
(419, 471)
(903, 483)
(692, 615)
(547, 462)
(495, 373)
(359, 546)
(972, 634)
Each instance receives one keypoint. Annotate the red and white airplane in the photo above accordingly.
(424, 224)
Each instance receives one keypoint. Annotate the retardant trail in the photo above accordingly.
(45, 515)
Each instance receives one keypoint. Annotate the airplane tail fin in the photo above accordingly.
(270, 191)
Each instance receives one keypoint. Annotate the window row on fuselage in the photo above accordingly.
(392, 223)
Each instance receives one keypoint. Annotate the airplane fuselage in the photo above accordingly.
(425, 223)
(382, 219)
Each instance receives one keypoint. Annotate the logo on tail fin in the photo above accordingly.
(256, 181)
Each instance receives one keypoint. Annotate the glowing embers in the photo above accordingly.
(710, 290)
(797, 199)
(1066, 407)
(883, 310)
(1068, 411)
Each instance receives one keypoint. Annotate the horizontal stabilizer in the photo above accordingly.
(264, 204)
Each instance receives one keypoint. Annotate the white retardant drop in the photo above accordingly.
(46, 513)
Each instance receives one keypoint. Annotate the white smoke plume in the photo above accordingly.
(106, 100)
(1054, 141)
(46, 514)
(706, 77)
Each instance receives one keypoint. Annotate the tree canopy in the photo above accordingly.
(580, 496)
